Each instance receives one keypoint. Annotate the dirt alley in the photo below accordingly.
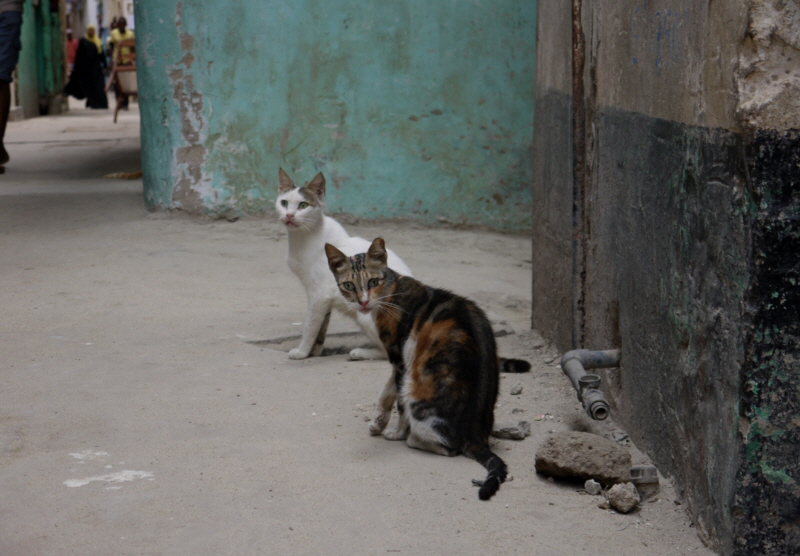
(146, 408)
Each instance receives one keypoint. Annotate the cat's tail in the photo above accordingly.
(514, 365)
(497, 472)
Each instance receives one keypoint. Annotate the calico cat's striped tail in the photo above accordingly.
(514, 365)
(497, 472)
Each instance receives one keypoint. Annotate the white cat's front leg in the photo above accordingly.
(315, 326)
(371, 331)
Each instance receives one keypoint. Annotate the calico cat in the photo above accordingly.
(301, 211)
(445, 366)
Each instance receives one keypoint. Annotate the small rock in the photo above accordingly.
(623, 497)
(517, 410)
(537, 344)
(582, 455)
(512, 431)
(516, 390)
(604, 505)
(592, 487)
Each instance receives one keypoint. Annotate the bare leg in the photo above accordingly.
(5, 106)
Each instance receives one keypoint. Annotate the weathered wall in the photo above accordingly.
(41, 64)
(767, 500)
(411, 109)
(682, 247)
(552, 146)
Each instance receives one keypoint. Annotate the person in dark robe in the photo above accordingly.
(87, 79)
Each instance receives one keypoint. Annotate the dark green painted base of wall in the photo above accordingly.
(667, 274)
(767, 502)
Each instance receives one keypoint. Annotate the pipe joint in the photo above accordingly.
(574, 364)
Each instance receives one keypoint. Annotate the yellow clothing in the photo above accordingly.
(125, 52)
(94, 38)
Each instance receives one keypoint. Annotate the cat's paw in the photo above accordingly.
(297, 353)
(378, 424)
(365, 354)
(396, 434)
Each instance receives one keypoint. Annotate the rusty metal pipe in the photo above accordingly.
(574, 364)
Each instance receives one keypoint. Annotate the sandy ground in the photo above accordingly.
(146, 408)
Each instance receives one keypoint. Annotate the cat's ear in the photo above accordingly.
(337, 260)
(285, 183)
(317, 185)
(376, 254)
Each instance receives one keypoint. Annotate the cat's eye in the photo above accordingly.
(284, 203)
(302, 205)
(373, 283)
(349, 286)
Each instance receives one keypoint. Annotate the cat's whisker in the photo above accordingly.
(384, 304)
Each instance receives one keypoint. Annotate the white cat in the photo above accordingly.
(300, 210)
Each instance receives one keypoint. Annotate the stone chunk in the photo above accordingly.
(623, 497)
(512, 431)
(592, 487)
(581, 455)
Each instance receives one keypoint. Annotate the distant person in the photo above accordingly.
(72, 49)
(120, 54)
(87, 80)
(118, 34)
(91, 34)
(10, 26)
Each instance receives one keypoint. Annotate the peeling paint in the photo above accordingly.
(258, 86)
(192, 190)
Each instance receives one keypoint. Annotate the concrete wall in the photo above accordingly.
(669, 230)
(411, 109)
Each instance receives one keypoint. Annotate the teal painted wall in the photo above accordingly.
(410, 109)
(40, 70)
